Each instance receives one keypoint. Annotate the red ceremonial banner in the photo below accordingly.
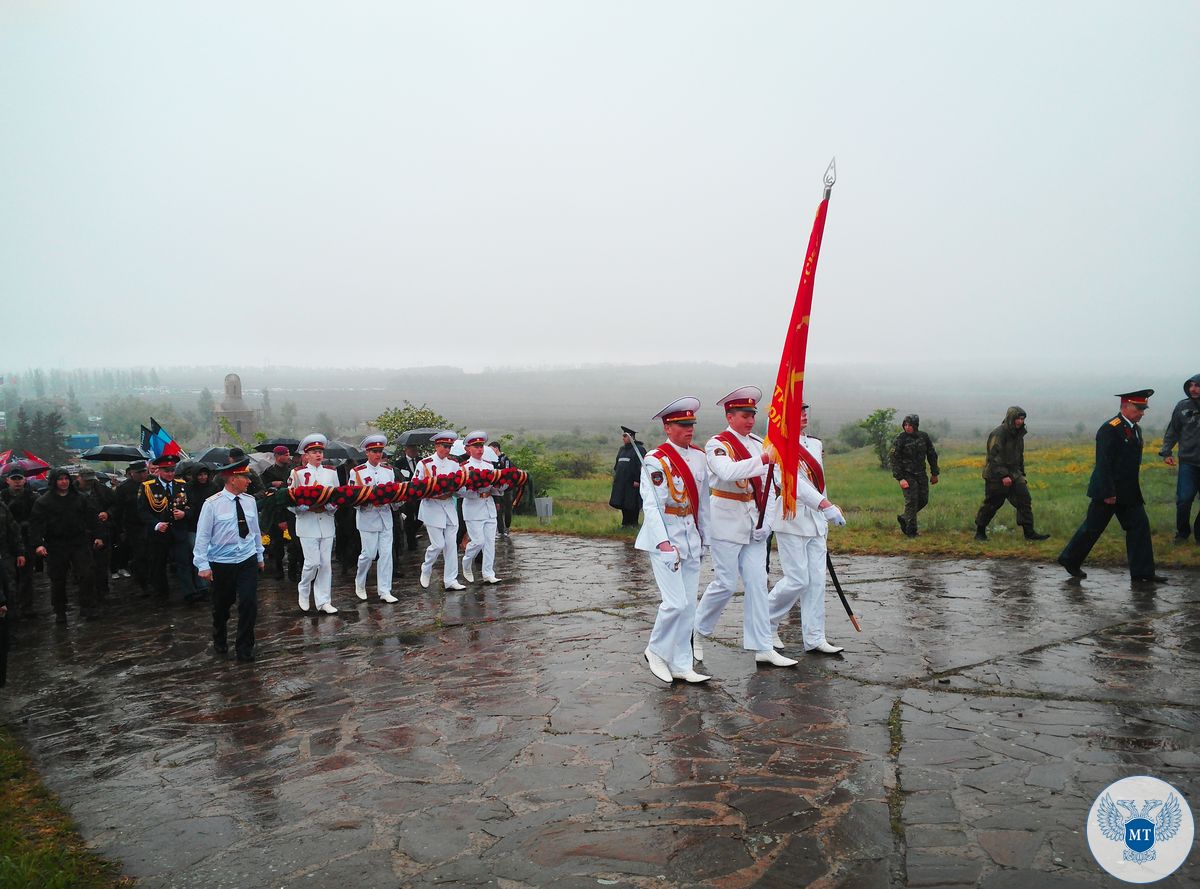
(783, 420)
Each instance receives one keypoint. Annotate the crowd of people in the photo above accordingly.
(197, 530)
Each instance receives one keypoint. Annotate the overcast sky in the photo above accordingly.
(517, 184)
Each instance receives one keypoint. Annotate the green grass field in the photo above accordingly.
(1058, 474)
(39, 846)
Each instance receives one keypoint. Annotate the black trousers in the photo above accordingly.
(629, 515)
(60, 558)
(3, 651)
(1138, 546)
(232, 582)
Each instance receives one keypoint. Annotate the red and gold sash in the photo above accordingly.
(813, 467)
(740, 453)
(684, 471)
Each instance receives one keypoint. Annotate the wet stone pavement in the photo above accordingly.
(512, 735)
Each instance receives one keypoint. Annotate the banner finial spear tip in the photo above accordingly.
(831, 172)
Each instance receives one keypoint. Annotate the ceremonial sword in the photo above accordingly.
(838, 586)
(662, 507)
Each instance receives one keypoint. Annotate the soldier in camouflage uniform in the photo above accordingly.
(1004, 476)
(910, 450)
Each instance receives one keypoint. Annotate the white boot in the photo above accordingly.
(697, 647)
(424, 580)
(328, 608)
(361, 593)
(657, 665)
(826, 648)
(468, 574)
(691, 676)
(387, 597)
(775, 640)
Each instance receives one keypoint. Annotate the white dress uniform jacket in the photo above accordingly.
(734, 513)
(372, 518)
(479, 505)
(309, 523)
(662, 489)
(809, 521)
(437, 513)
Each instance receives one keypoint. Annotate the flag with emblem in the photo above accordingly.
(787, 400)
(162, 442)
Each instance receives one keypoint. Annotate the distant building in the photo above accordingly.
(232, 408)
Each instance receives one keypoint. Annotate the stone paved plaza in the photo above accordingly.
(512, 735)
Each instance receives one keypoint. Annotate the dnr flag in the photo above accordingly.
(783, 419)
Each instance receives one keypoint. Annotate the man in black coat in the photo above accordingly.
(627, 472)
(129, 528)
(63, 531)
(275, 521)
(20, 499)
(164, 508)
(1115, 490)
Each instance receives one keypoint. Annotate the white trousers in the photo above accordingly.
(375, 543)
(442, 543)
(671, 638)
(731, 560)
(803, 562)
(481, 534)
(317, 576)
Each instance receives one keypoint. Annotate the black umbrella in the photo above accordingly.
(115, 453)
(416, 437)
(340, 450)
(265, 447)
(213, 456)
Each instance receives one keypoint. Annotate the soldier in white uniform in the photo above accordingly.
(374, 523)
(801, 542)
(315, 526)
(440, 515)
(479, 513)
(737, 468)
(674, 489)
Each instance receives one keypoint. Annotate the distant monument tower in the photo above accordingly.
(243, 420)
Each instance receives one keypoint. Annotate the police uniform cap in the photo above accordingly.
(237, 467)
(744, 399)
(681, 410)
(165, 460)
(446, 436)
(476, 437)
(374, 440)
(316, 440)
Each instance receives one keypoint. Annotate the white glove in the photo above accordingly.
(330, 508)
(302, 508)
(758, 535)
(668, 558)
(834, 515)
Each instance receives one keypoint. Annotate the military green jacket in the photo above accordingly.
(1006, 449)
(909, 454)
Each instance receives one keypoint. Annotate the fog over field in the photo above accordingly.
(599, 398)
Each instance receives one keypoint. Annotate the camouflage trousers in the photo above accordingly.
(916, 498)
(994, 495)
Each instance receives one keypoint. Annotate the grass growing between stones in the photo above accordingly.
(39, 845)
(1058, 475)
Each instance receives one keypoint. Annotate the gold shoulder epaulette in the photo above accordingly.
(1115, 421)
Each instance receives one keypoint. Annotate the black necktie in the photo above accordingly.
(243, 525)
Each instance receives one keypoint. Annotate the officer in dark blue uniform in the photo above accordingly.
(1115, 491)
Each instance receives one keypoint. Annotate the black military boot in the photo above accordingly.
(1031, 534)
(980, 532)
